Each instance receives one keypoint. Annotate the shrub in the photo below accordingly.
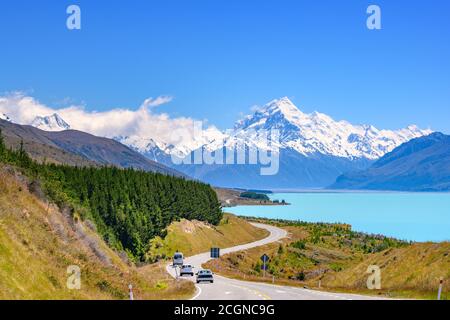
(299, 245)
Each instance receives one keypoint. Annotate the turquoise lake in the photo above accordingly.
(408, 216)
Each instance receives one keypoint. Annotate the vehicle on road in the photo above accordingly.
(187, 269)
(205, 276)
(178, 259)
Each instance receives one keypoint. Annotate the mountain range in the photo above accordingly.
(422, 164)
(50, 123)
(313, 149)
(4, 117)
(307, 134)
(77, 148)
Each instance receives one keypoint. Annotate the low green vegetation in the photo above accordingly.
(38, 243)
(332, 235)
(193, 237)
(339, 257)
(255, 196)
(319, 247)
(128, 207)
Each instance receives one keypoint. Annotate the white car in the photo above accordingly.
(187, 269)
(205, 276)
(178, 259)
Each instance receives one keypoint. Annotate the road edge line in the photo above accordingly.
(199, 292)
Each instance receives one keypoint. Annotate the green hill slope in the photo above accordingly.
(193, 237)
(38, 243)
(128, 207)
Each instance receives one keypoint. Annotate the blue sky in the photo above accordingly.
(217, 58)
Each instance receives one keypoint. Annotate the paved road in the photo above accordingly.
(230, 289)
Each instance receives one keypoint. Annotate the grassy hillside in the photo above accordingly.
(128, 207)
(101, 220)
(38, 243)
(192, 237)
(413, 271)
(339, 257)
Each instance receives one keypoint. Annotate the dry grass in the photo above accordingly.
(192, 237)
(37, 246)
(411, 271)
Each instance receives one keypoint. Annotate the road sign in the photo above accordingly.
(215, 253)
(265, 259)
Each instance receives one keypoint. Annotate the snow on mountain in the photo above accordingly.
(50, 123)
(183, 142)
(319, 133)
(307, 134)
(5, 117)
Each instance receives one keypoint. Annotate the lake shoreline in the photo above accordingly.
(275, 191)
(417, 217)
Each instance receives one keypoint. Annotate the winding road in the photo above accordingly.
(231, 289)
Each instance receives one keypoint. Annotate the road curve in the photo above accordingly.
(231, 289)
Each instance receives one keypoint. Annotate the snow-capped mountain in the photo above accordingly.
(50, 123)
(4, 117)
(313, 148)
(319, 133)
(186, 142)
(305, 133)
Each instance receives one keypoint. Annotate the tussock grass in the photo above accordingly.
(412, 271)
(339, 258)
(192, 237)
(38, 243)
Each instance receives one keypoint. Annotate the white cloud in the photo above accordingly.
(151, 103)
(142, 122)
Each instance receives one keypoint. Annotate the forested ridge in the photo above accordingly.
(128, 207)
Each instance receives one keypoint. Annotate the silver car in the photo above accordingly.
(178, 259)
(187, 269)
(205, 276)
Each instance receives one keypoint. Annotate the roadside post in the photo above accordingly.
(130, 288)
(265, 259)
(176, 271)
(441, 281)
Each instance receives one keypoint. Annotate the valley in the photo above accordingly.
(307, 151)
(313, 149)
(224, 159)
(70, 198)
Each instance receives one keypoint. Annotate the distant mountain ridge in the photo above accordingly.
(78, 148)
(307, 134)
(422, 164)
(318, 133)
(50, 123)
(314, 149)
(4, 117)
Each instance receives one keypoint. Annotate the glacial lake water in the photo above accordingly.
(408, 216)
